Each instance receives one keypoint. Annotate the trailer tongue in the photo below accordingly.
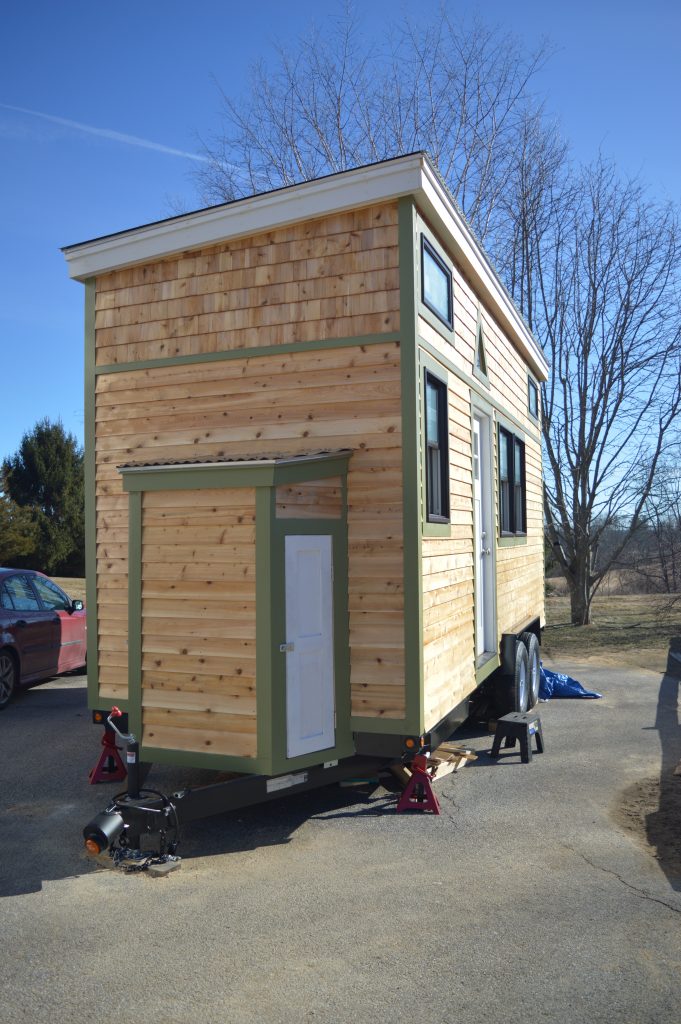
(142, 825)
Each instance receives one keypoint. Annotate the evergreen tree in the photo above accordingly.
(45, 477)
(18, 533)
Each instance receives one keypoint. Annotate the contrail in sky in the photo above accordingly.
(107, 133)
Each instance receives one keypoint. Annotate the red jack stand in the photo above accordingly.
(418, 794)
(110, 767)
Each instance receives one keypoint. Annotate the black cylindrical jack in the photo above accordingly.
(103, 831)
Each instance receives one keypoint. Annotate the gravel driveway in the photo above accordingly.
(536, 893)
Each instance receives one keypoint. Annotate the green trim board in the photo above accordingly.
(344, 746)
(232, 474)
(264, 652)
(89, 470)
(248, 353)
(515, 541)
(411, 468)
(135, 614)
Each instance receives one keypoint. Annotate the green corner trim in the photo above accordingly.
(411, 468)
(249, 353)
(263, 624)
(135, 614)
(90, 510)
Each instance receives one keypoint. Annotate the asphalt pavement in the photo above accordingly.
(535, 895)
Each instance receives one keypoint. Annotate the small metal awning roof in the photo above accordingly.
(239, 461)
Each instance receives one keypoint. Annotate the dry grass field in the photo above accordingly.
(632, 629)
(75, 588)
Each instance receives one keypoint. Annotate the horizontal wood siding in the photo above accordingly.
(292, 403)
(198, 635)
(448, 613)
(333, 277)
(315, 499)
(448, 574)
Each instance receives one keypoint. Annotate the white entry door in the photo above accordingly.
(310, 689)
(483, 538)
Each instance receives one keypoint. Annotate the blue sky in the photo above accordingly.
(102, 106)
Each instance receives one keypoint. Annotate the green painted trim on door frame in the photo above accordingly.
(414, 720)
(344, 745)
(250, 353)
(89, 470)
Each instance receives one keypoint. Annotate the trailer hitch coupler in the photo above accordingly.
(103, 831)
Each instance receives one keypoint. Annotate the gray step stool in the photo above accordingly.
(521, 727)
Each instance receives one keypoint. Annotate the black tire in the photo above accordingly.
(534, 658)
(512, 691)
(8, 677)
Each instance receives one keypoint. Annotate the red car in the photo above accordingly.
(42, 631)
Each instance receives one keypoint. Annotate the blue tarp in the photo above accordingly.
(556, 684)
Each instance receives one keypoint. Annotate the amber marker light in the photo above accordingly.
(98, 716)
(410, 743)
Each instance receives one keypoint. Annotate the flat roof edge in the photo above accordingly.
(252, 215)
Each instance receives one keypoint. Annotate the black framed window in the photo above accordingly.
(512, 504)
(532, 398)
(437, 455)
(436, 283)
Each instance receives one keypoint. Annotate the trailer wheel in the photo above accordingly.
(513, 691)
(8, 677)
(532, 644)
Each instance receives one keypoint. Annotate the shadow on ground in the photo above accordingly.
(651, 807)
(663, 826)
(47, 747)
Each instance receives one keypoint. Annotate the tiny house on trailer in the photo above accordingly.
(313, 474)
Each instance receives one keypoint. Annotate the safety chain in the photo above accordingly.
(143, 860)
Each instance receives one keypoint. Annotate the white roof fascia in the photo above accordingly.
(409, 175)
(436, 203)
(250, 216)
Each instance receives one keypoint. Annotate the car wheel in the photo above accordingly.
(513, 691)
(8, 678)
(533, 656)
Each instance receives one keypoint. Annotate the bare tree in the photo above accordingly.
(601, 291)
(338, 101)
(590, 260)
